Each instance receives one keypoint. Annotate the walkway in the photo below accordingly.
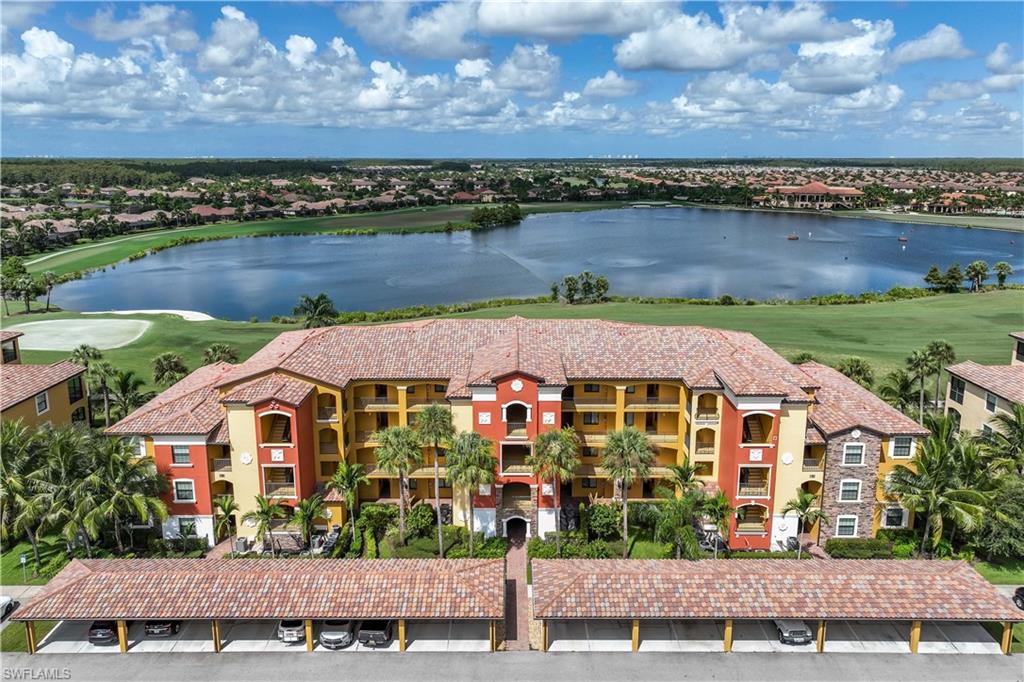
(221, 549)
(517, 597)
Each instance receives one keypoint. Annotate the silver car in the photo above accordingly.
(793, 632)
(291, 631)
(337, 634)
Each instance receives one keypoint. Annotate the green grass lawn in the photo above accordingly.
(996, 630)
(882, 333)
(1010, 572)
(10, 564)
(649, 549)
(12, 639)
(103, 252)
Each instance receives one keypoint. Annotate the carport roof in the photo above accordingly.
(458, 589)
(766, 588)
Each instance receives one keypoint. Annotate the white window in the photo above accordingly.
(184, 490)
(986, 430)
(590, 418)
(849, 490)
(902, 447)
(846, 526)
(42, 403)
(179, 455)
(186, 526)
(853, 454)
(990, 403)
(894, 517)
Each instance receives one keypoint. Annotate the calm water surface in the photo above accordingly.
(650, 252)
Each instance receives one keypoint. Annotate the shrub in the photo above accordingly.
(604, 521)
(421, 521)
(598, 549)
(764, 555)
(356, 549)
(344, 543)
(538, 548)
(858, 548)
(377, 518)
(900, 535)
(370, 542)
(904, 550)
(491, 548)
(54, 565)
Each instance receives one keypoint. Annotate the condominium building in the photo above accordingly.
(757, 426)
(977, 393)
(40, 394)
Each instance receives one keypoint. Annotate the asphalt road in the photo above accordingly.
(592, 667)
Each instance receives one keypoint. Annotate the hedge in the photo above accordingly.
(858, 548)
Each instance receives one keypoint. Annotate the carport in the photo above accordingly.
(871, 606)
(233, 604)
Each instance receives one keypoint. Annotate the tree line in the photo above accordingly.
(976, 274)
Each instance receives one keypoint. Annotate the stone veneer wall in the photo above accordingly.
(501, 513)
(835, 472)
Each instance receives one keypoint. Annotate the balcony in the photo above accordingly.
(273, 489)
(524, 506)
(221, 467)
(416, 404)
(594, 438)
(378, 403)
(704, 449)
(513, 460)
(655, 437)
(328, 447)
(653, 403)
(327, 414)
(814, 464)
(706, 416)
(366, 437)
(752, 490)
(750, 527)
(590, 403)
(516, 430)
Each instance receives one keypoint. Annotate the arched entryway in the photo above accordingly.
(516, 530)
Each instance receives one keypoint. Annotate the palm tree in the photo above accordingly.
(98, 375)
(307, 511)
(125, 391)
(807, 513)
(718, 510)
(224, 507)
(434, 425)
(857, 369)
(554, 458)
(977, 272)
(60, 483)
(316, 311)
(675, 524)
(48, 280)
(1006, 441)
(1002, 270)
(941, 354)
(398, 454)
(169, 368)
(21, 457)
(85, 354)
(920, 366)
(125, 485)
(346, 481)
(898, 390)
(219, 352)
(684, 476)
(628, 456)
(930, 487)
(471, 464)
(263, 517)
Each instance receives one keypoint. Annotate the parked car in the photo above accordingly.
(1018, 598)
(337, 634)
(7, 604)
(162, 628)
(291, 631)
(375, 633)
(793, 632)
(103, 632)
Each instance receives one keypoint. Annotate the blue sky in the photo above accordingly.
(502, 79)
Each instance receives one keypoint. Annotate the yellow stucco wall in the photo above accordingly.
(59, 412)
(973, 414)
(789, 477)
(885, 465)
(244, 478)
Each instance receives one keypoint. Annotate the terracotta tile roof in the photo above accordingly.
(843, 404)
(813, 437)
(777, 588)
(1017, 335)
(258, 589)
(191, 406)
(1006, 381)
(20, 382)
(556, 351)
(7, 335)
(275, 386)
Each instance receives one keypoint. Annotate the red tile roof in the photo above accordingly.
(270, 589)
(189, 407)
(776, 588)
(843, 404)
(18, 383)
(1006, 381)
(7, 335)
(275, 386)
(817, 188)
(555, 351)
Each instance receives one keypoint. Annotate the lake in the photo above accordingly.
(687, 252)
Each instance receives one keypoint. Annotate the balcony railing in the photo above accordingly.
(750, 527)
(516, 429)
(655, 437)
(272, 489)
(706, 415)
(328, 448)
(753, 491)
(592, 401)
(370, 403)
(365, 436)
(327, 414)
(222, 465)
(515, 465)
(648, 402)
(704, 449)
(814, 464)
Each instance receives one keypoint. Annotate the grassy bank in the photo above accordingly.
(12, 639)
(882, 333)
(103, 252)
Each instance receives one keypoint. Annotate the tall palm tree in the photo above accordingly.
(920, 366)
(219, 352)
(169, 368)
(555, 458)
(718, 510)
(61, 482)
(307, 511)
(124, 388)
(434, 425)
(942, 354)
(471, 464)
(316, 311)
(898, 390)
(684, 476)
(346, 481)
(398, 454)
(48, 280)
(1002, 270)
(99, 376)
(857, 369)
(263, 516)
(224, 507)
(125, 485)
(85, 355)
(1006, 441)
(20, 458)
(628, 456)
(808, 512)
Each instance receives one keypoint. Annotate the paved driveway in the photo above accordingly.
(760, 636)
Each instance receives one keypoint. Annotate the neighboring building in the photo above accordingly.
(279, 423)
(976, 393)
(854, 440)
(40, 394)
(815, 195)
